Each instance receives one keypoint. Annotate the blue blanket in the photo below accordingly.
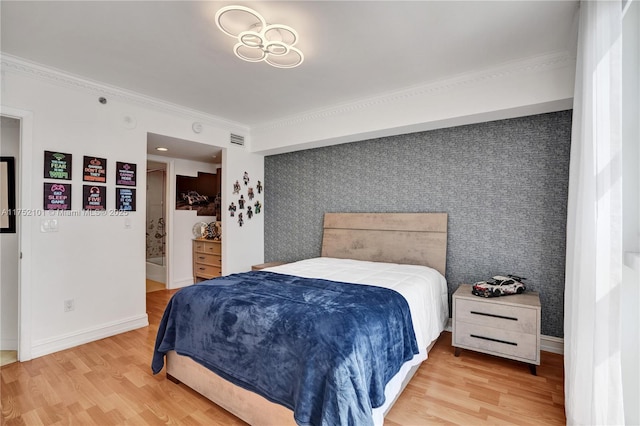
(321, 348)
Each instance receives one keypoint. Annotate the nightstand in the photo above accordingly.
(266, 265)
(505, 326)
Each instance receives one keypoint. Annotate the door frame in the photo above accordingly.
(24, 227)
(167, 226)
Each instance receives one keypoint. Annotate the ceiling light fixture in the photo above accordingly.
(257, 40)
(162, 149)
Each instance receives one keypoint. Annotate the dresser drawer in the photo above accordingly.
(207, 259)
(207, 247)
(206, 271)
(501, 342)
(504, 317)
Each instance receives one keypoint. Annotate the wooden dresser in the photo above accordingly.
(505, 326)
(207, 259)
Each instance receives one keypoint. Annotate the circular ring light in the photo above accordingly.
(292, 59)
(251, 39)
(276, 48)
(249, 54)
(281, 33)
(259, 41)
(232, 20)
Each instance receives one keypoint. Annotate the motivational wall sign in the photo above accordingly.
(126, 199)
(125, 174)
(57, 196)
(94, 169)
(57, 165)
(94, 197)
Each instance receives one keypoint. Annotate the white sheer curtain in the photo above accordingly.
(593, 379)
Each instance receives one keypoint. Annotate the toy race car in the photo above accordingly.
(499, 286)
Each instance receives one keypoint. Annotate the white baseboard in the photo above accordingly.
(181, 283)
(552, 344)
(66, 341)
(8, 344)
(156, 272)
(547, 343)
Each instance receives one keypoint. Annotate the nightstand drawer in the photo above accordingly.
(504, 317)
(208, 259)
(496, 341)
(206, 271)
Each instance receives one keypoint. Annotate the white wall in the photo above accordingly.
(630, 307)
(97, 261)
(246, 247)
(9, 147)
(527, 87)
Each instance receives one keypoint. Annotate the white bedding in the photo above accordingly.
(425, 290)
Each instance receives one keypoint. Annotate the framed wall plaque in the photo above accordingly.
(94, 197)
(57, 165)
(126, 199)
(94, 169)
(57, 196)
(125, 174)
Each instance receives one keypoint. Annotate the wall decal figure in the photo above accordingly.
(232, 209)
(241, 202)
(240, 219)
(245, 178)
(249, 212)
(250, 193)
(259, 187)
(236, 187)
(258, 206)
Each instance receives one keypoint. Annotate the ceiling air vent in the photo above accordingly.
(237, 139)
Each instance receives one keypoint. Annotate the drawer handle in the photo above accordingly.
(494, 316)
(494, 340)
(201, 257)
(202, 269)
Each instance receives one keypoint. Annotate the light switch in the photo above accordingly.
(49, 225)
(127, 223)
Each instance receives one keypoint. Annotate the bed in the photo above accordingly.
(383, 252)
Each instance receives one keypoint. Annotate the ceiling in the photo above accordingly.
(172, 50)
(180, 148)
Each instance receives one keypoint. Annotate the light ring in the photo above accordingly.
(236, 50)
(226, 9)
(292, 51)
(245, 36)
(281, 29)
(269, 48)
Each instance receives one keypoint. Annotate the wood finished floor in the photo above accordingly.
(8, 357)
(154, 286)
(109, 382)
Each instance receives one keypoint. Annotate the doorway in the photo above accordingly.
(156, 226)
(10, 241)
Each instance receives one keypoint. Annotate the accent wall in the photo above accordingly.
(503, 184)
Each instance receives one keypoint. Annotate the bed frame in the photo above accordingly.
(408, 238)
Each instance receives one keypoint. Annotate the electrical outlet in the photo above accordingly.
(68, 305)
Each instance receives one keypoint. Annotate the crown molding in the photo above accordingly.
(529, 65)
(14, 64)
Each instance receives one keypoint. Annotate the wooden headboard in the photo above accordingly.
(409, 238)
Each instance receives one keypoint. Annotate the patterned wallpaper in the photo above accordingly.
(503, 184)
